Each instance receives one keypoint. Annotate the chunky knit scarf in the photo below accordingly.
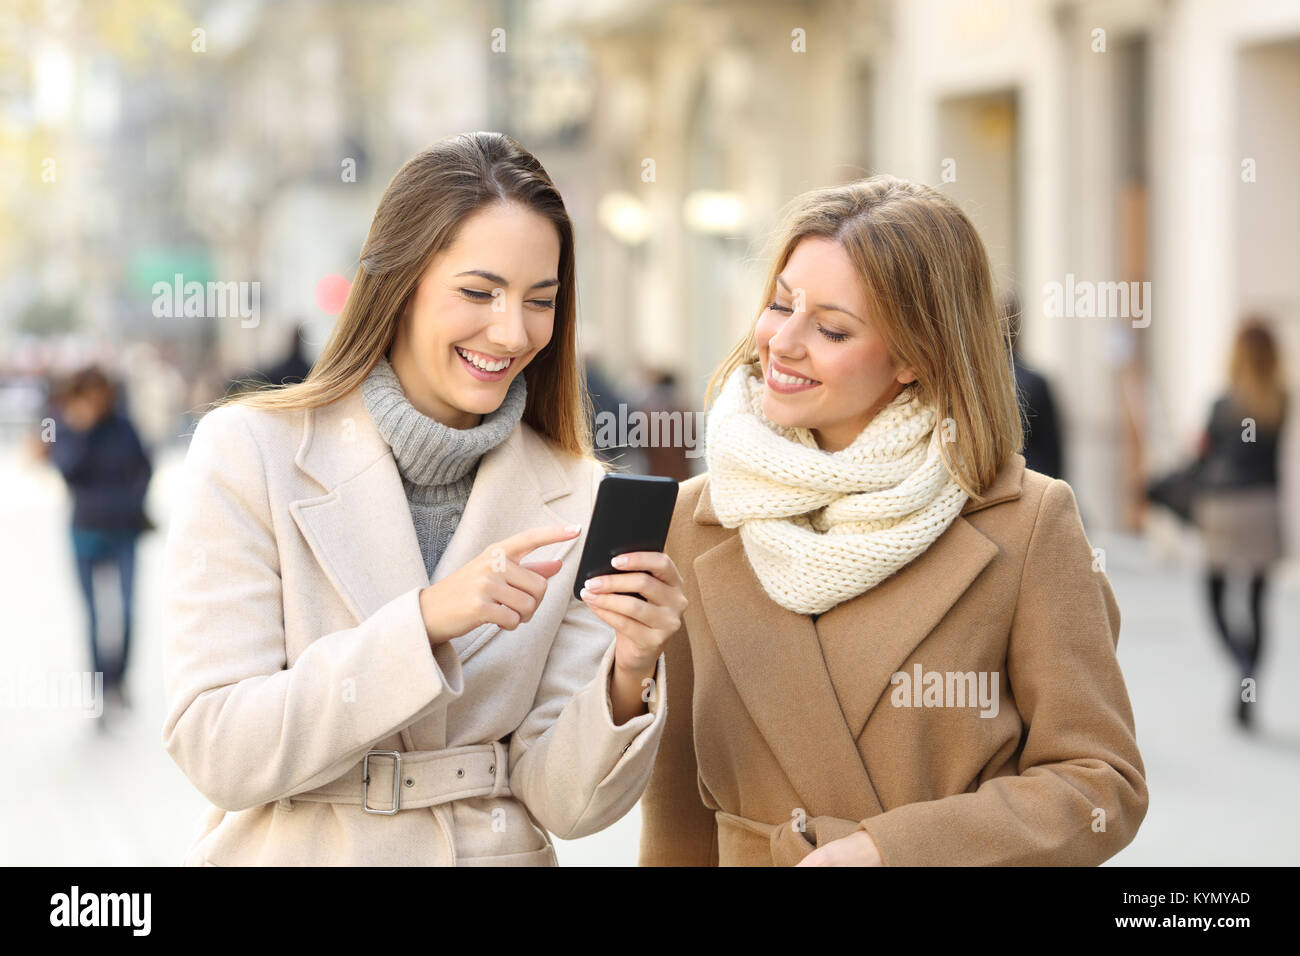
(821, 527)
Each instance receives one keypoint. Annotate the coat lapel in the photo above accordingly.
(360, 529)
(865, 639)
(777, 668)
(361, 532)
(810, 687)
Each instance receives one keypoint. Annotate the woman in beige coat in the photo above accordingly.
(345, 685)
(899, 648)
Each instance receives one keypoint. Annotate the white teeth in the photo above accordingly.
(789, 379)
(482, 363)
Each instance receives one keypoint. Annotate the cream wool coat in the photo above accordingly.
(295, 644)
(784, 733)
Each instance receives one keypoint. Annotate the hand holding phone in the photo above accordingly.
(642, 600)
(632, 513)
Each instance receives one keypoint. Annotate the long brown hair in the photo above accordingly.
(927, 275)
(418, 216)
(1255, 376)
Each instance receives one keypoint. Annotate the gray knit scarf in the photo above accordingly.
(437, 463)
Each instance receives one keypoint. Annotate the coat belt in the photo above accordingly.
(428, 778)
(749, 842)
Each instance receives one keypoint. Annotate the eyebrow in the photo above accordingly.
(493, 277)
(824, 306)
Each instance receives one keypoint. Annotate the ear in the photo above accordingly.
(905, 377)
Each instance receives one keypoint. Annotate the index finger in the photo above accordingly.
(517, 545)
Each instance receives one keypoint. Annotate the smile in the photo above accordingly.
(483, 363)
(785, 382)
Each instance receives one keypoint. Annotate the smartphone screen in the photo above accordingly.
(632, 513)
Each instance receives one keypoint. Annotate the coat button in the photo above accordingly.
(410, 782)
(492, 769)
(460, 772)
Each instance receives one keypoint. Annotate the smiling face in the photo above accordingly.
(825, 367)
(483, 309)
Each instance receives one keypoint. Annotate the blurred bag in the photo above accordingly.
(1178, 490)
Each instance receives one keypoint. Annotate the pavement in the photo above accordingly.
(89, 791)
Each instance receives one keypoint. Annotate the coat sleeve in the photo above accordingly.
(1080, 793)
(677, 829)
(575, 770)
(246, 728)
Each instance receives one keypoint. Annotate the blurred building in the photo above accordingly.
(1097, 142)
(229, 141)
(1100, 142)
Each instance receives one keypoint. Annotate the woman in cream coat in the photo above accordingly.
(335, 702)
(899, 647)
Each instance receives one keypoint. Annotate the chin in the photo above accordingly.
(779, 414)
(480, 404)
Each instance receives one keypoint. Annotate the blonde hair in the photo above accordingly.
(1255, 373)
(927, 276)
(418, 217)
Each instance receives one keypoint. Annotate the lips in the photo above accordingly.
(492, 373)
(483, 362)
(779, 375)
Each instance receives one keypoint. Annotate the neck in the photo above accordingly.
(427, 451)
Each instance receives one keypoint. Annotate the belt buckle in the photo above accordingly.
(397, 781)
(500, 770)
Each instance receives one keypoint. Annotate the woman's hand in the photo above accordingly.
(856, 849)
(642, 627)
(495, 587)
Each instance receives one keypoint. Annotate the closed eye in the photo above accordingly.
(833, 336)
(478, 294)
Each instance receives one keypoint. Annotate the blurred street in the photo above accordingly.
(89, 798)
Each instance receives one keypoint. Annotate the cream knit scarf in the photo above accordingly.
(821, 527)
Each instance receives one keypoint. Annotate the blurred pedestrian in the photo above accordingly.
(293, 368)
(1237, 506)
(1042, 449)
(107, 470)
(606, 401)
(665, 451)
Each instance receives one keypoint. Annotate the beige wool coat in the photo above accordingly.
(786, 732)
(294, 646)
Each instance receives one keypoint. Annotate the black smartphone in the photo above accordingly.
(632, 513)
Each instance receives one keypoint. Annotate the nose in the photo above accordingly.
(508, 332)
(787, 341)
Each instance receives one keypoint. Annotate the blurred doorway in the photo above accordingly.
(979, 149)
